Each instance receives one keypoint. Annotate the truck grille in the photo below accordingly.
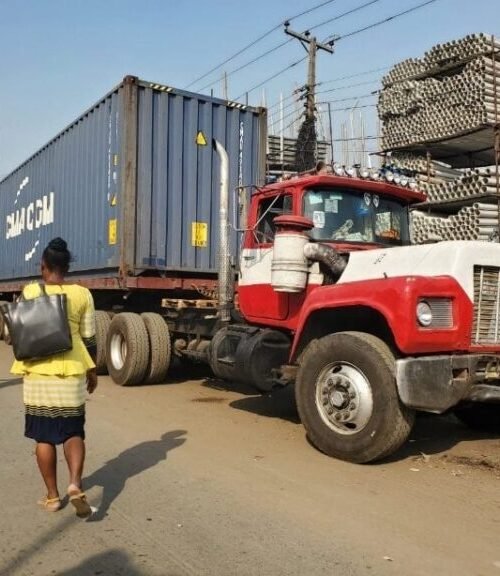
(485, 327)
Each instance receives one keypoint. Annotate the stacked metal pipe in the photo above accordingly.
(476, 222)
(458, 92)
(470, 183)
(405, 69)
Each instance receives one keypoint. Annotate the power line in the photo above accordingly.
(250, 62)
(281, 44)
(343, 37)
(355, 97)
(347, 108)
(259, 39)
(347, 87)
(366, 72)
(384, 20)
(348, 77)
(275, 75)
(337, 101)
(352, 11)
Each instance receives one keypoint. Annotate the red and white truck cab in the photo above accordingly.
(369, 328)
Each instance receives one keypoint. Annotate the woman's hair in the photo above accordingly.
(56, 256)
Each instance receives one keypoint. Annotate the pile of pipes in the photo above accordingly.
(442, 183)
(468, 184)
(476, 222)
(454, 89)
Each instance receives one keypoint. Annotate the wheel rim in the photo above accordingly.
(118, 351)
(344, 398)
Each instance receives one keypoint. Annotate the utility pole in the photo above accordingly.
(307, 140)
(314, 46)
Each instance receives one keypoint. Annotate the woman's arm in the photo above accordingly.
(88, 334)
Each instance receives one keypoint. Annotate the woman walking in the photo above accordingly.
(54, 388)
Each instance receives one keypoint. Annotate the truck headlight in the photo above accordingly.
(424, 313)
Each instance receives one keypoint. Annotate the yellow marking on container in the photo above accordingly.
(114, 201)
(199, 234)
(112, 231)
(115, 159)
(201, 139)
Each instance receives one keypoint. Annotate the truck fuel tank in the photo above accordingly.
(250, 355)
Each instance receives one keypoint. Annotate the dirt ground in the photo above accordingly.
(195, 478)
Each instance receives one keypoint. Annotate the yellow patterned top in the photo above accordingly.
(81, 318)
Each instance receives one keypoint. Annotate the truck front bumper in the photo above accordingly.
(437, 383)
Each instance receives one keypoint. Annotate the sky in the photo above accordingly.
(58, 57)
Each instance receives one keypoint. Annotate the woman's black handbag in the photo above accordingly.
(38, 326)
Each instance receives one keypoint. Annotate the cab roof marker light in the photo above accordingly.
(350, 171)
(375, 174)
(364, 172)
(389, 176)
(338, 169)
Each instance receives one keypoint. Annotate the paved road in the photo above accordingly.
(194, 479)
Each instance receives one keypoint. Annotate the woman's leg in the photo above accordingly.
(46, 458)
(74, 452)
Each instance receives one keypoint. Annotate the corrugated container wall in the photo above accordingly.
(133, 184)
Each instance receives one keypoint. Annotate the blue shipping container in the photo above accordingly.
(132, 185)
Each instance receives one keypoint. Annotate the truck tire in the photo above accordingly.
(482, 417)
(347, 398)
(102, 323)
(127, 349)
(160, 349)
(1, 320)
(6, 334)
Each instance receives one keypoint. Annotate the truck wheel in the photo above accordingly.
(127, 349)
(1, 320)
(6, 334)
(102, 323)
(347, 398)
(160, 349)
(484, 417)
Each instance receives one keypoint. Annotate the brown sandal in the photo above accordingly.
(50, 504)
(79, 500)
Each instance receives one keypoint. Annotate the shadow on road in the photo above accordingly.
(227, 386)
(109, 563)
(113, 476)
(279, 403)
(6, 382)
(431, 435)
(436, 434)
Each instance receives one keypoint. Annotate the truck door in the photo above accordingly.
(257, 297)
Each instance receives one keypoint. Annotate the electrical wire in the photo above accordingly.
(349, 12)
(281, 44)
(348, 77)
(259, 39)
(347, 87)
(275, 75)
(355, 97)
(383, 21)
(250, 62)
(343, 37)
(297, 119)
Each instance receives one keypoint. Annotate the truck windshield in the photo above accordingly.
(350, 216)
